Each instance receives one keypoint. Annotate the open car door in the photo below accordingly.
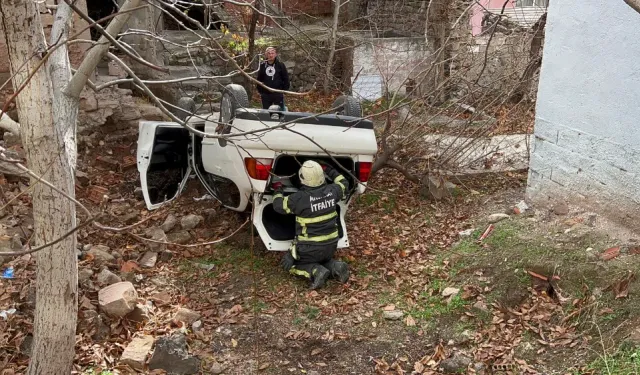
(163, 161)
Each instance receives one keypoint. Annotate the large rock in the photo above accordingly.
(156, 234)
(458, 363)
(171, 355)
(149, 259)
(169, 223)
(190, 221)
(180, 237)
(150, 112)
(135, 354)
(106, 277)
(100, 254)
(118, 299)
(187, 316)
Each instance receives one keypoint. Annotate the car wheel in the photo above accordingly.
(234, 97)
(347, 106)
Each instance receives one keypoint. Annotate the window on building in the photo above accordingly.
(532, 3)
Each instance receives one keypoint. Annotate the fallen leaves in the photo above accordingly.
(621, 287)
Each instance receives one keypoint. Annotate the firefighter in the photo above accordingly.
(311, 253)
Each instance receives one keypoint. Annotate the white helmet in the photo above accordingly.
(311, 174)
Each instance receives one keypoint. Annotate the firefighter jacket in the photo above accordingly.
(315, 210)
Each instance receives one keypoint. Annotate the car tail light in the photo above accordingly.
(258, 168)
(364, 170)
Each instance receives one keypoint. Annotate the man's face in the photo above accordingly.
(270, 54)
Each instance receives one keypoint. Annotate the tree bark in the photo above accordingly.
(332, 46)
(535, 55)
(43, 136)
(255, 16)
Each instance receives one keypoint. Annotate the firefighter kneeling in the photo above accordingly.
(311, 254)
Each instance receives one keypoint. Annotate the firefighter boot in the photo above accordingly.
(339, 270)
(320, 275)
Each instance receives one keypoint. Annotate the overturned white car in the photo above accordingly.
(262, 147)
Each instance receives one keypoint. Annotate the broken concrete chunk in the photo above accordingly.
(118, 299)
(135, 354)
(106, 277)
(149, 259)
(187, 316)
(169, 223)
(393, 315)
(561, 209)
(494, 218)
(171, 355)
(84, 275)
(190, 221)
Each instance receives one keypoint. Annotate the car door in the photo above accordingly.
(163, 161)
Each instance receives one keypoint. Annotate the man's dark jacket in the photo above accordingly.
(279, 80)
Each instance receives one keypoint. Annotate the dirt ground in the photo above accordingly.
(545, 292)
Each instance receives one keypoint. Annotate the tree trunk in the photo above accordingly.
(255, 16)
(332, 46)
(43, 136)
(535, 55)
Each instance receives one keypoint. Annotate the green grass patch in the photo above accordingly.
(624, 362)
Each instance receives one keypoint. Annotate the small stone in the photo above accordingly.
(494, 218)
(455, 364)
(466, 232)
(190, 221)
(561, 209)
(591, 219)
(157, 235)
(217, 369)
(135, 354)
(84, 275)
(149, 259)
(180, 237)
(393, 315)
(86, 247)
(27, 344)
(106, 277)
(140, 314)
(165, 256)
(187, 316)
(118, 299)
(480, 305)
(171, 355)
(447, 292)
(169, 223)
(100, 254)
(196, 326)
(521, 207)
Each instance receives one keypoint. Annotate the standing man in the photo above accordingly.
(273, 74)
(312, 251)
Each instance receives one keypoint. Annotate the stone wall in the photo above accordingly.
(406, 17)
(587, 143)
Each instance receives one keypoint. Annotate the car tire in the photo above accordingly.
(186, 104)
(348, 106)
(234, 97)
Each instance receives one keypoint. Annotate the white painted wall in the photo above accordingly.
(391, 59)
(587, 131)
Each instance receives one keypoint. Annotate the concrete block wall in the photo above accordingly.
(587, 139)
